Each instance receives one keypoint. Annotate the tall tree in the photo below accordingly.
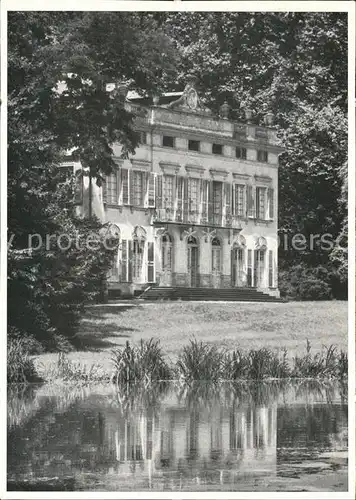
(295, 65)
(59, 65)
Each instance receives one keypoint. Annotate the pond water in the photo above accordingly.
(262, 437)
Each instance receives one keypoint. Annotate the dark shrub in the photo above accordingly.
(20, 367)
(314, 289)
(303, 283)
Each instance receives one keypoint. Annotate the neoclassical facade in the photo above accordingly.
(196, 206)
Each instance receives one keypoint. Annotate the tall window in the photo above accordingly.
(193, 190)
(137, 258)
(262, 156)
(241, 153)
(137, 188)
(249, 267)
(166, 253)
(151, 190)
(260, 200)
(239, 200)
(168, 198)
(124, 266)
(217, 201)
(251, 202)
(270, 268)
(125, 193)
(111, 192)
(150, 261)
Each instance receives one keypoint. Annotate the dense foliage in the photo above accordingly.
(294, 64)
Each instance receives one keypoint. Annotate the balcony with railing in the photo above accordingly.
(202, 217)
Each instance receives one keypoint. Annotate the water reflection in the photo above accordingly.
(201, 437)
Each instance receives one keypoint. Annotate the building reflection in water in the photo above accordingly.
(171, 444)
(242, 438)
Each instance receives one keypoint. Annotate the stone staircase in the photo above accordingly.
(221, 294)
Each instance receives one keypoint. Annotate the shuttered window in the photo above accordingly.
(110, 188)
(125, 186)
(168, 197)
(151, 190)
(227, 200)
(260, 203)
(138, 188)
(251, 201)
(239, 208)
(193, 190)
(159, 191)
(204, 200)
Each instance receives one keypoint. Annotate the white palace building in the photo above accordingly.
(196, 206)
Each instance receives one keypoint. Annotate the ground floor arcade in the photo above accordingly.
(184, 256)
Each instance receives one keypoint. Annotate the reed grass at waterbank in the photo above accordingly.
(146, 363)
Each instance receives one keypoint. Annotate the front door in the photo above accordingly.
(193, 265)
(259, 267)
(216, 263)
(239, 277)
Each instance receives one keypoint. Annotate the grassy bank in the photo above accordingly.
(227, 325)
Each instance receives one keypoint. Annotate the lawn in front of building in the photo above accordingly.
(228, 325)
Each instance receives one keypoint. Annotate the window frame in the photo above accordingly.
(173, 141)
(190, 141)
(214, 145)
(262, 155)
(243, 153)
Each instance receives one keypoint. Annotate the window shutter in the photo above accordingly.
(124, 261)
(185, 195)
(130, 259)
(251, 193)
(233, 199)
(130, 186)
(144, 176)
(210, 201)
(151, 190)
(179, 197)
(124, 187)
(150, 262)
(159, 191)
(270, 196)
(203, 200)
(227, 200)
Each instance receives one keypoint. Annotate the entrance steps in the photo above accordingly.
(219, 294)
